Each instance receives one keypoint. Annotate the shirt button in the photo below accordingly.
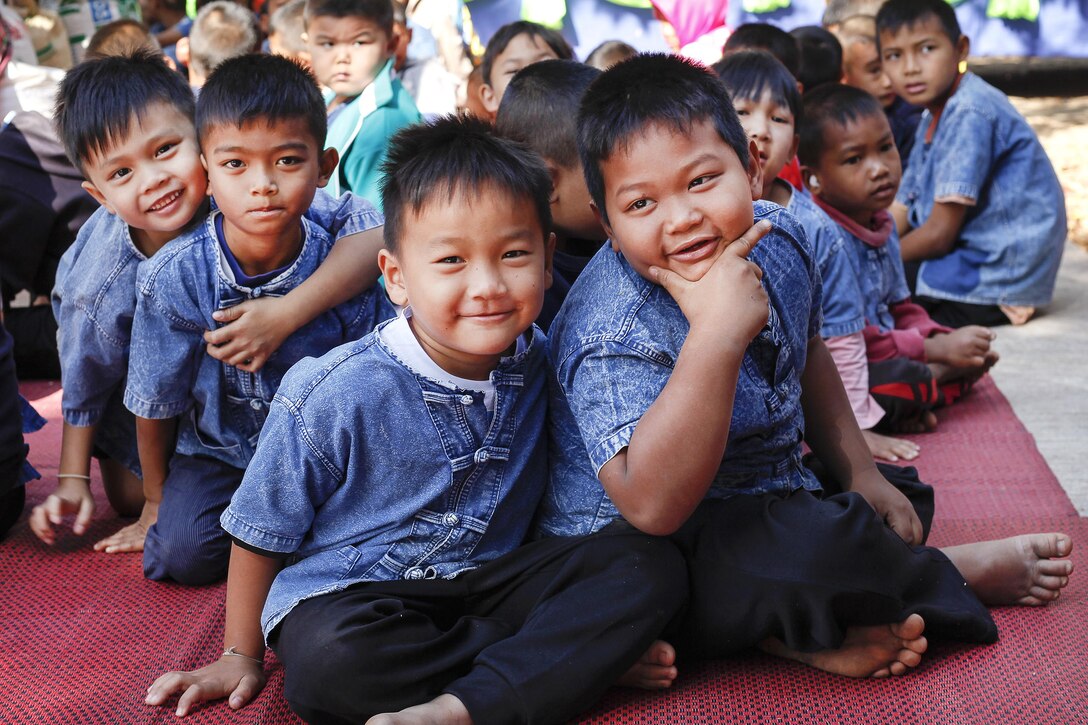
(451, 519)
(414, 573)
(466, 400)
(482, 456)
(255, 404)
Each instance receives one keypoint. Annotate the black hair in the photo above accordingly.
(540, 106)
(763, 36)
(508, 32)
(831, 103)
(653, 88)
(897, 14)
(98, 99)
(821, 56)
(456, 154)
(263, 88)
(380, 12)
(748, 74)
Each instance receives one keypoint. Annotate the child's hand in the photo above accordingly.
(965, 348)
(729, 299)
(73, 496)
(239, 678)
(890, 449)
(255, 329)
(131, 538)
(892, 506)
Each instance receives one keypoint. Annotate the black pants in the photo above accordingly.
(904, 388)
(953, 314)
(535, 636)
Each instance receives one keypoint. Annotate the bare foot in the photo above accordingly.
(1021, 570)
(878, 651)
(655, 669)
(924, 423)
(442, 710)
(890, 449)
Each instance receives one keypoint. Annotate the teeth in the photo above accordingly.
(165, 202)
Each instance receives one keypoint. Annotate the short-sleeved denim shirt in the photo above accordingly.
(1011, 242)
(367, 471)
(614, 345)
(171, 374)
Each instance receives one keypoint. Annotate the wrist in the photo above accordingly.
(232, 651)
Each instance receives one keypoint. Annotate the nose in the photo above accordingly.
(910, 63)
(486, 281)
(153, 178)
(683, 215)
(757, 127)
(264, 183)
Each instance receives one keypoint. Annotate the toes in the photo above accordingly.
(1044, 594)
(909, 658)
(1053, 583)
(897, 668)
(910, 628)
(881, 674)
(1054, 567)
(1047, 546)
(919, 645)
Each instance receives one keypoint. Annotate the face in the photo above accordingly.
(681, 215)
(861, 68)
(264, 177)
(771, 125)
(474, 269)
(859, 168)
(522, 50)
(922, 61)
(152, 179)
(347, 53)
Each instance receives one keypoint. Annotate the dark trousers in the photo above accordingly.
(953, 314)
(904, 388)
(535, 636)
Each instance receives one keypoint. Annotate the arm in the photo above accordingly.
(833, 434)
(848, 354)
(249, 577)
(901, 216)
(72, 495)
(937, 236)
(655, 489)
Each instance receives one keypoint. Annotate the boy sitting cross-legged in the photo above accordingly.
(380, 523)
(261, 123)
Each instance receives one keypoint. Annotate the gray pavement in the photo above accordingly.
(1042, 372)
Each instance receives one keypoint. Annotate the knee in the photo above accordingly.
(652, 567)
(182, 560)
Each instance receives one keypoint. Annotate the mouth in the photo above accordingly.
(166, 202)
(913, 89)
(695, 250)
(884, 191)
(265, 211)
(490, 317)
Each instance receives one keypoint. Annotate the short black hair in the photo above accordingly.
(764, 36)
(832, 103)
(821, 56)
(748, 74)
(897, 14)
(508, 32)
(457, 154)
(98, 100)
(264, 88)
(653, 88)
(380, 12)
(540, 107)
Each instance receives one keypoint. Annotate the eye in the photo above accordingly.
(638, 205)
(701, 180)
(164, 148)
(291, 161)
(233, 164)
(782, 118)
(887, 146)
(451, 260)
(120, 174)
(852, 160)
(515, 254)
(893, 55)
(742, 112)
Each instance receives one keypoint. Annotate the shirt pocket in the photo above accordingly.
(432, 540)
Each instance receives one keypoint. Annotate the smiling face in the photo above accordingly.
(473, 268)
(859, 167)
(771, 125)
(680, 215)
(522, 50)
(347, 53)
(922, 61)
(264, 177)
(152, 179)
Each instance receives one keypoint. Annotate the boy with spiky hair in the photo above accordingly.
(513, 47)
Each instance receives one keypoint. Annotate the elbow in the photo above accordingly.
(656, 522)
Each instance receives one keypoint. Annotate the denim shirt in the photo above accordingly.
(1012, 238)
(171, 374)
(879, 272)
(614, 345)
(843, 301)
(367, 471)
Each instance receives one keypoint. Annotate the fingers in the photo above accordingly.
(131, 538)
(165, 686)
(747, 241)
(193, 695)
(671, 281)
(39, 523)
(83, 517)
(247, 688)
(231, 314)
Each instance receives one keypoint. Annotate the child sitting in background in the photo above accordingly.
(351, 44)
(261, 124)
(167, 22)
(851, 166)
(981, 212)
(820, 56)
(511, 48)
(540, 108)
(287, 33)
(608, 53)
(222, 30)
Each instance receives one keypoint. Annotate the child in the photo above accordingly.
(511, 48)
(167, 22)
(608, 53)
(820, 56)
(981, 212)
(689, 401)
(351, 45)
(287, 33)
(851, 165)
(539, 109)
(223, 29)
(261, 124)
(398, 475)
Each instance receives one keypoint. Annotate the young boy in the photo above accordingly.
(513, 47)
(167, 22)
(397, 477)
(351, 44)
(127, 123)
(981, 211)
(687, 376)
(287, 33)
(850, 163)
(222, 30)
(539, 109)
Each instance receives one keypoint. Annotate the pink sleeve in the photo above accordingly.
(911, 316)
(882, 346)
(848, 352)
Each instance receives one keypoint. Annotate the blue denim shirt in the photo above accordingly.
(614, 345)
(367, 471)
(1011, 241)
(879, 272)
(171, 374)
(843, 302)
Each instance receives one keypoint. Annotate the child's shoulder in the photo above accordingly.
(976, 99)
(183, 258)
(360, 366)
(102, 254)
(785, 241)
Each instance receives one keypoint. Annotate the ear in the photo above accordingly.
(755, 173)
(181, 50)
(98, 196)
(811, 178)
(204, 163)
(487, 98)
(963, 48)
(553, 173)
(327, 166)
(604, 225)
(391, 44)
(394, 277)
(549, 252)
(795, 145)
